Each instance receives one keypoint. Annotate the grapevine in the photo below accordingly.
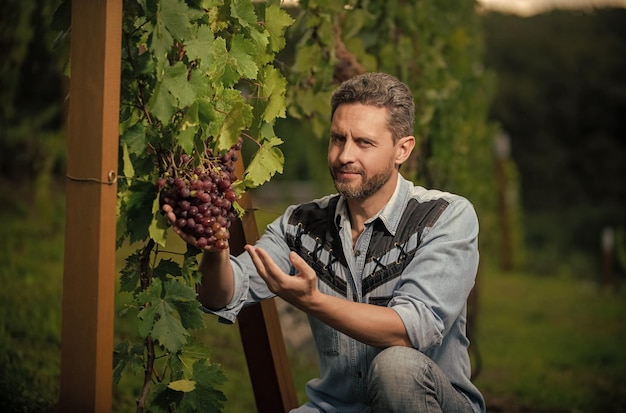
(197, 75)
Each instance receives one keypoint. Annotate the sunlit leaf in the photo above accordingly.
(276, 22)
(158, 226)
(273, 88)
(128, 169)
(237, 119)
(266, 162)
(206, 397)
(243, 11)
(183, 385)
(242, 51)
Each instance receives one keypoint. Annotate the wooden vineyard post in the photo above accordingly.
(261, 336)
(89, 272)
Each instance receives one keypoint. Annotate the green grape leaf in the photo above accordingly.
(129, 171)
(121, 229)
(139, 205)
(165, 268)
(243, 11)
(308, 56)
(189, 127)
(176, 83)
(169, 332)
(173, 15)
(183, 385)
(125, 356)
(190, 314)
(199, 84)
(242, 52)
(174, 91)
(159, 318)
(186, 138)
(158, 226)
(188, 356)
(261, 40)
(160, 42)
(236, 120)
(276, 22)
(267, 130)
(135, 138)
(189, 270)
(205, 397)
(162, 104)
(206, 112)
(273, 87)
(184, 299)
(178, 292)
(163, 398)
(266, 162)
(219, 59)
(129, 278)
(199, 48)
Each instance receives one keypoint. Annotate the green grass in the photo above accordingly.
(550, 343)
(31, 268)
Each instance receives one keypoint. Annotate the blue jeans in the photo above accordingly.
(402, 379)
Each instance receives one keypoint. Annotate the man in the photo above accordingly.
(383, 269)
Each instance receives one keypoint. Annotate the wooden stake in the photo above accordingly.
(259, 326)
(89, 274)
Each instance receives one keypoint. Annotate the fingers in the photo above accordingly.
(268, 270)
(169, 214)
(297, 261)
(256, 260)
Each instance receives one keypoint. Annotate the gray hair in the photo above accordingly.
(381, 90)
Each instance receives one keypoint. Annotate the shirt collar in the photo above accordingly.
(389, 215)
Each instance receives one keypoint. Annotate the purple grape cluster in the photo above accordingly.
(202, 196)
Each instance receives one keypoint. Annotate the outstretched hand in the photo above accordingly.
(299, 290)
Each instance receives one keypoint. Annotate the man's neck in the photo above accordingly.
(360, 210)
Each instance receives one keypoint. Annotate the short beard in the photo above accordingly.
(369, 186)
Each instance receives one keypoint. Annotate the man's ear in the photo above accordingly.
(404, 147)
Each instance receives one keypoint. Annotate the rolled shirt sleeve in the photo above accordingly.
(433, 289)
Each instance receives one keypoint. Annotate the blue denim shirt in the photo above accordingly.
(418, 255)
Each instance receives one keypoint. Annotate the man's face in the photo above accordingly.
(361, 151)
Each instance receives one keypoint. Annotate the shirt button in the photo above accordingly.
(357, 253)
(359, 374)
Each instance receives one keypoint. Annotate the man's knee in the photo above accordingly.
(398, 362)
(396, 380)
(396, 367)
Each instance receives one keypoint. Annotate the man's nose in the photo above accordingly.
(347, 152)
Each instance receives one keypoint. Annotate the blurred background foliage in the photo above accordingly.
(560, 91)
(521, 115)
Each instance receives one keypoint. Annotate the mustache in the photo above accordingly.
(345, 169)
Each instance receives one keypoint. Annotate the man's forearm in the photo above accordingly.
(373, 325)
(217, 286)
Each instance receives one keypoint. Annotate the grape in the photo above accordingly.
(161, 183)
(201, 195)
(201, 242)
